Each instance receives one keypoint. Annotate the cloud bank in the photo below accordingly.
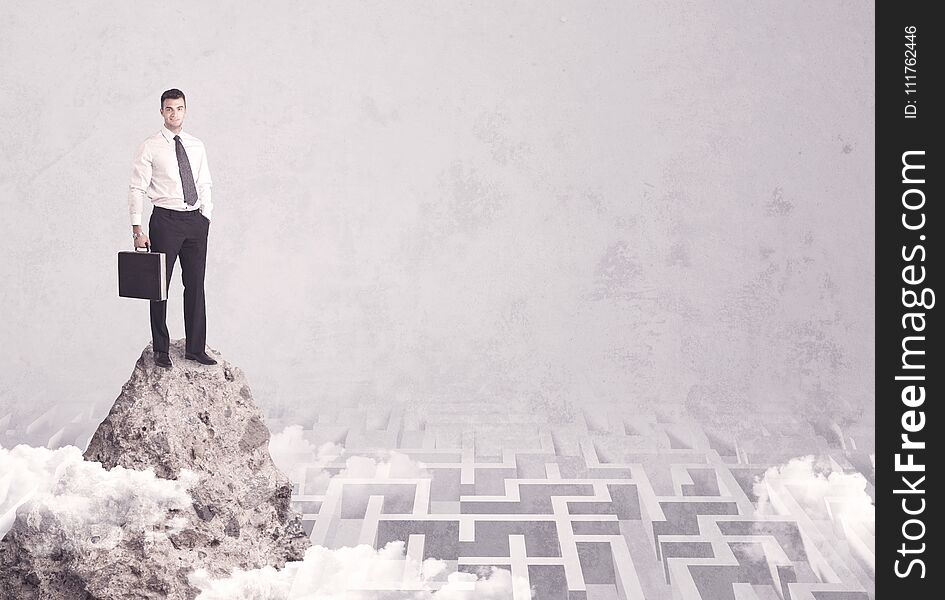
(89, 504)
(822, 490)
(95, 508)
(360, 572)
(824, 493)
(292, 454)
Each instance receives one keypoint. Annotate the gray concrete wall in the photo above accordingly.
(607, 201)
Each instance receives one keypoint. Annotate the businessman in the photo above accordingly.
(170, 169)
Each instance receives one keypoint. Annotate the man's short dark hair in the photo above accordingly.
(173, 94)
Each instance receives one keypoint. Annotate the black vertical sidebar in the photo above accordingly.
(909, 371)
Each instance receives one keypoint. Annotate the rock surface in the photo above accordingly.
(190, 417)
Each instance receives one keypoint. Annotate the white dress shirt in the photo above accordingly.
(155, 175)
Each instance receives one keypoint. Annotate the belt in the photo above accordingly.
(171, 211)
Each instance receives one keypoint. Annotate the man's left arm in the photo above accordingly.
(204, 184)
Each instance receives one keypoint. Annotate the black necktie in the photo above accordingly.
(186, 175)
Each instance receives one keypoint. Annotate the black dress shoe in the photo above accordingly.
(162, 360)
(201, 357)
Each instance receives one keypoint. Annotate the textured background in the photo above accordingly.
(597, 202)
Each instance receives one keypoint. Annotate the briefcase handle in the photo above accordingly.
(148, 249)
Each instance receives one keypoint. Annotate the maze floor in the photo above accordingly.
(601, 505)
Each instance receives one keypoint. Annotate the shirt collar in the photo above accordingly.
(169, 135)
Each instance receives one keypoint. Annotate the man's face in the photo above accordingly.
(173, 110)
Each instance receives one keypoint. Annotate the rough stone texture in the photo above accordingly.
(196, 417)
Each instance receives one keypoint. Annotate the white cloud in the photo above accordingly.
(291, 452)
(397, 466)
(293, 455)
(820, 489)
(823, 492)
(88, 504)
(359, 572)
(497, 585)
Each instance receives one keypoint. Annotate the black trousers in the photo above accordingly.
(181, 234)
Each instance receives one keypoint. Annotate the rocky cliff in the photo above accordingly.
(195, 423)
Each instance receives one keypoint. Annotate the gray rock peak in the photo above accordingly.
(192, 416)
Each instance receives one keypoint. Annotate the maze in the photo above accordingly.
(608, 505)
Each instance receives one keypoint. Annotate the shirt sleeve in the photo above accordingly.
(140, 182)
(204, 184)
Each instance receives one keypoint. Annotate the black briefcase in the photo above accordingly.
(142, 275)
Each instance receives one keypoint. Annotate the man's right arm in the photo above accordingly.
(140, 182)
